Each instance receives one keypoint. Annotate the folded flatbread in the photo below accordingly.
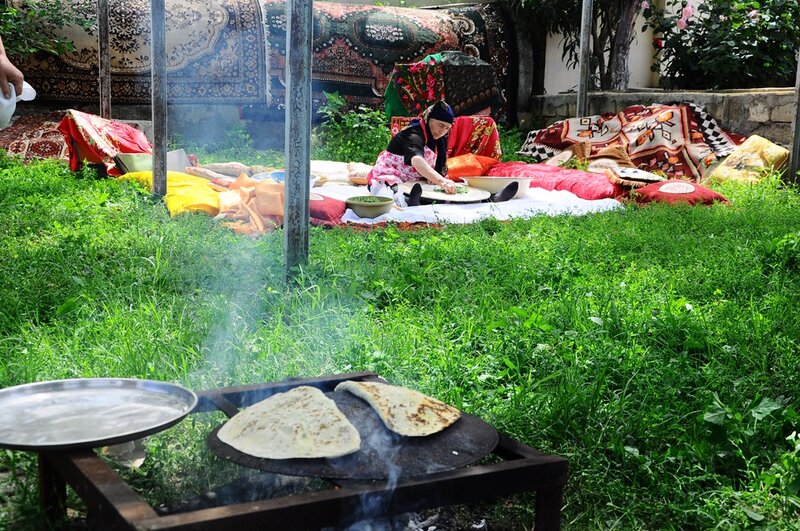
(403, 410)
(300, 423)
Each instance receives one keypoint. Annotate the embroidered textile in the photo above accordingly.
(680, 140)
(468, 84)
(97, 140)
(356, 47)
(469, 134)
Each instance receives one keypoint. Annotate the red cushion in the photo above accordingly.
(325, 211)
(584, 184)
(677, 191)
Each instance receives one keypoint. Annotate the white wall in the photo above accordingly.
(557, 78)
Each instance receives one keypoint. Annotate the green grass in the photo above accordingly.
(656, 348)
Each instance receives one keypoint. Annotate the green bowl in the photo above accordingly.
(370, 206)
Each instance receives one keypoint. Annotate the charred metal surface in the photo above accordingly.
(114, 505)
(383, 454)
(247, 395)
(111, 503)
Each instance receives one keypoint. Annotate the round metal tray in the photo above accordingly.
(88, 412)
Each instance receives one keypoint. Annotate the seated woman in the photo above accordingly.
(419, 152)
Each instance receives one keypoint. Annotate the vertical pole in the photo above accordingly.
(105, 59)
(794, 163)
(52, 493)
(548, 509)
(158, 51)
(298, 132)
(583, 60)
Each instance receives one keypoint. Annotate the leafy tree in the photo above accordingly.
(613, 24)
(727, 44)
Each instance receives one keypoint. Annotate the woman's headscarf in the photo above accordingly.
(439, 111)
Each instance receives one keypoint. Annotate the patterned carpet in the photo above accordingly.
(218, 51)
(35, 137)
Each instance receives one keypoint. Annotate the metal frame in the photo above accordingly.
(113, 504)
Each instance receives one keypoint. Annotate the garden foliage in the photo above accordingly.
(350, 136)
(654, 347)
(30, 27)
(724, 44)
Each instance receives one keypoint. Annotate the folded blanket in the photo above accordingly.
(681, 140)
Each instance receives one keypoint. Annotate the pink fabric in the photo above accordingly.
(392, 169)
(581, 183)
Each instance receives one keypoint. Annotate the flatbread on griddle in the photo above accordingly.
(300, 423)
(404, 411)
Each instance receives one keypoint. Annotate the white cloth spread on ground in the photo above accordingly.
(536, 202)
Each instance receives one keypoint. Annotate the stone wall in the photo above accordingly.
(764, 112)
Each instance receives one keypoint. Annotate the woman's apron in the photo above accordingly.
(391, 169)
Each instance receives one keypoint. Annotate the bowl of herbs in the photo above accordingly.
(370, 206)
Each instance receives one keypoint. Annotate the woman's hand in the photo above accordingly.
(448, 186)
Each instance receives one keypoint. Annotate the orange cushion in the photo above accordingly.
(469, 165)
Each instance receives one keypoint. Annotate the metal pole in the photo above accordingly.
(298, 132)
(794, 164)
(583, 61)
(158, 51)
(105, 59)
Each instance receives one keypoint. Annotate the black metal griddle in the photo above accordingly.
(383, 454)
(114, 504)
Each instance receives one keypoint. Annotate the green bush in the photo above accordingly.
(350, 136)
(31, 28)
(724, 44)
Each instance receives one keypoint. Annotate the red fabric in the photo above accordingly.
(469, 134)
(677, 191)
(97, 140)
(474, 134)
(326, 211)
(584, 184)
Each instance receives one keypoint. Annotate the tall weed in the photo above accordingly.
(350, 136)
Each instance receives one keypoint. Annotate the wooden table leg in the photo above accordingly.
(548, 509)
(52, 493)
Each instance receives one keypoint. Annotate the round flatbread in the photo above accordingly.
(429, 192)
(403, 410)
(300, 423)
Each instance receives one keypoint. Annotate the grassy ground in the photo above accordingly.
(656, 348)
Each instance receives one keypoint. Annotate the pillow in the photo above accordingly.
(584, 184)
(750, 161)
(325, 211)
(677, 191)
(358, 173)
(464, 166)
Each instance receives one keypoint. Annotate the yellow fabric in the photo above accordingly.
(750, 161)
(254, 206)
(185, 193)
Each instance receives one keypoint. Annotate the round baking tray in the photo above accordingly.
(89, 412)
